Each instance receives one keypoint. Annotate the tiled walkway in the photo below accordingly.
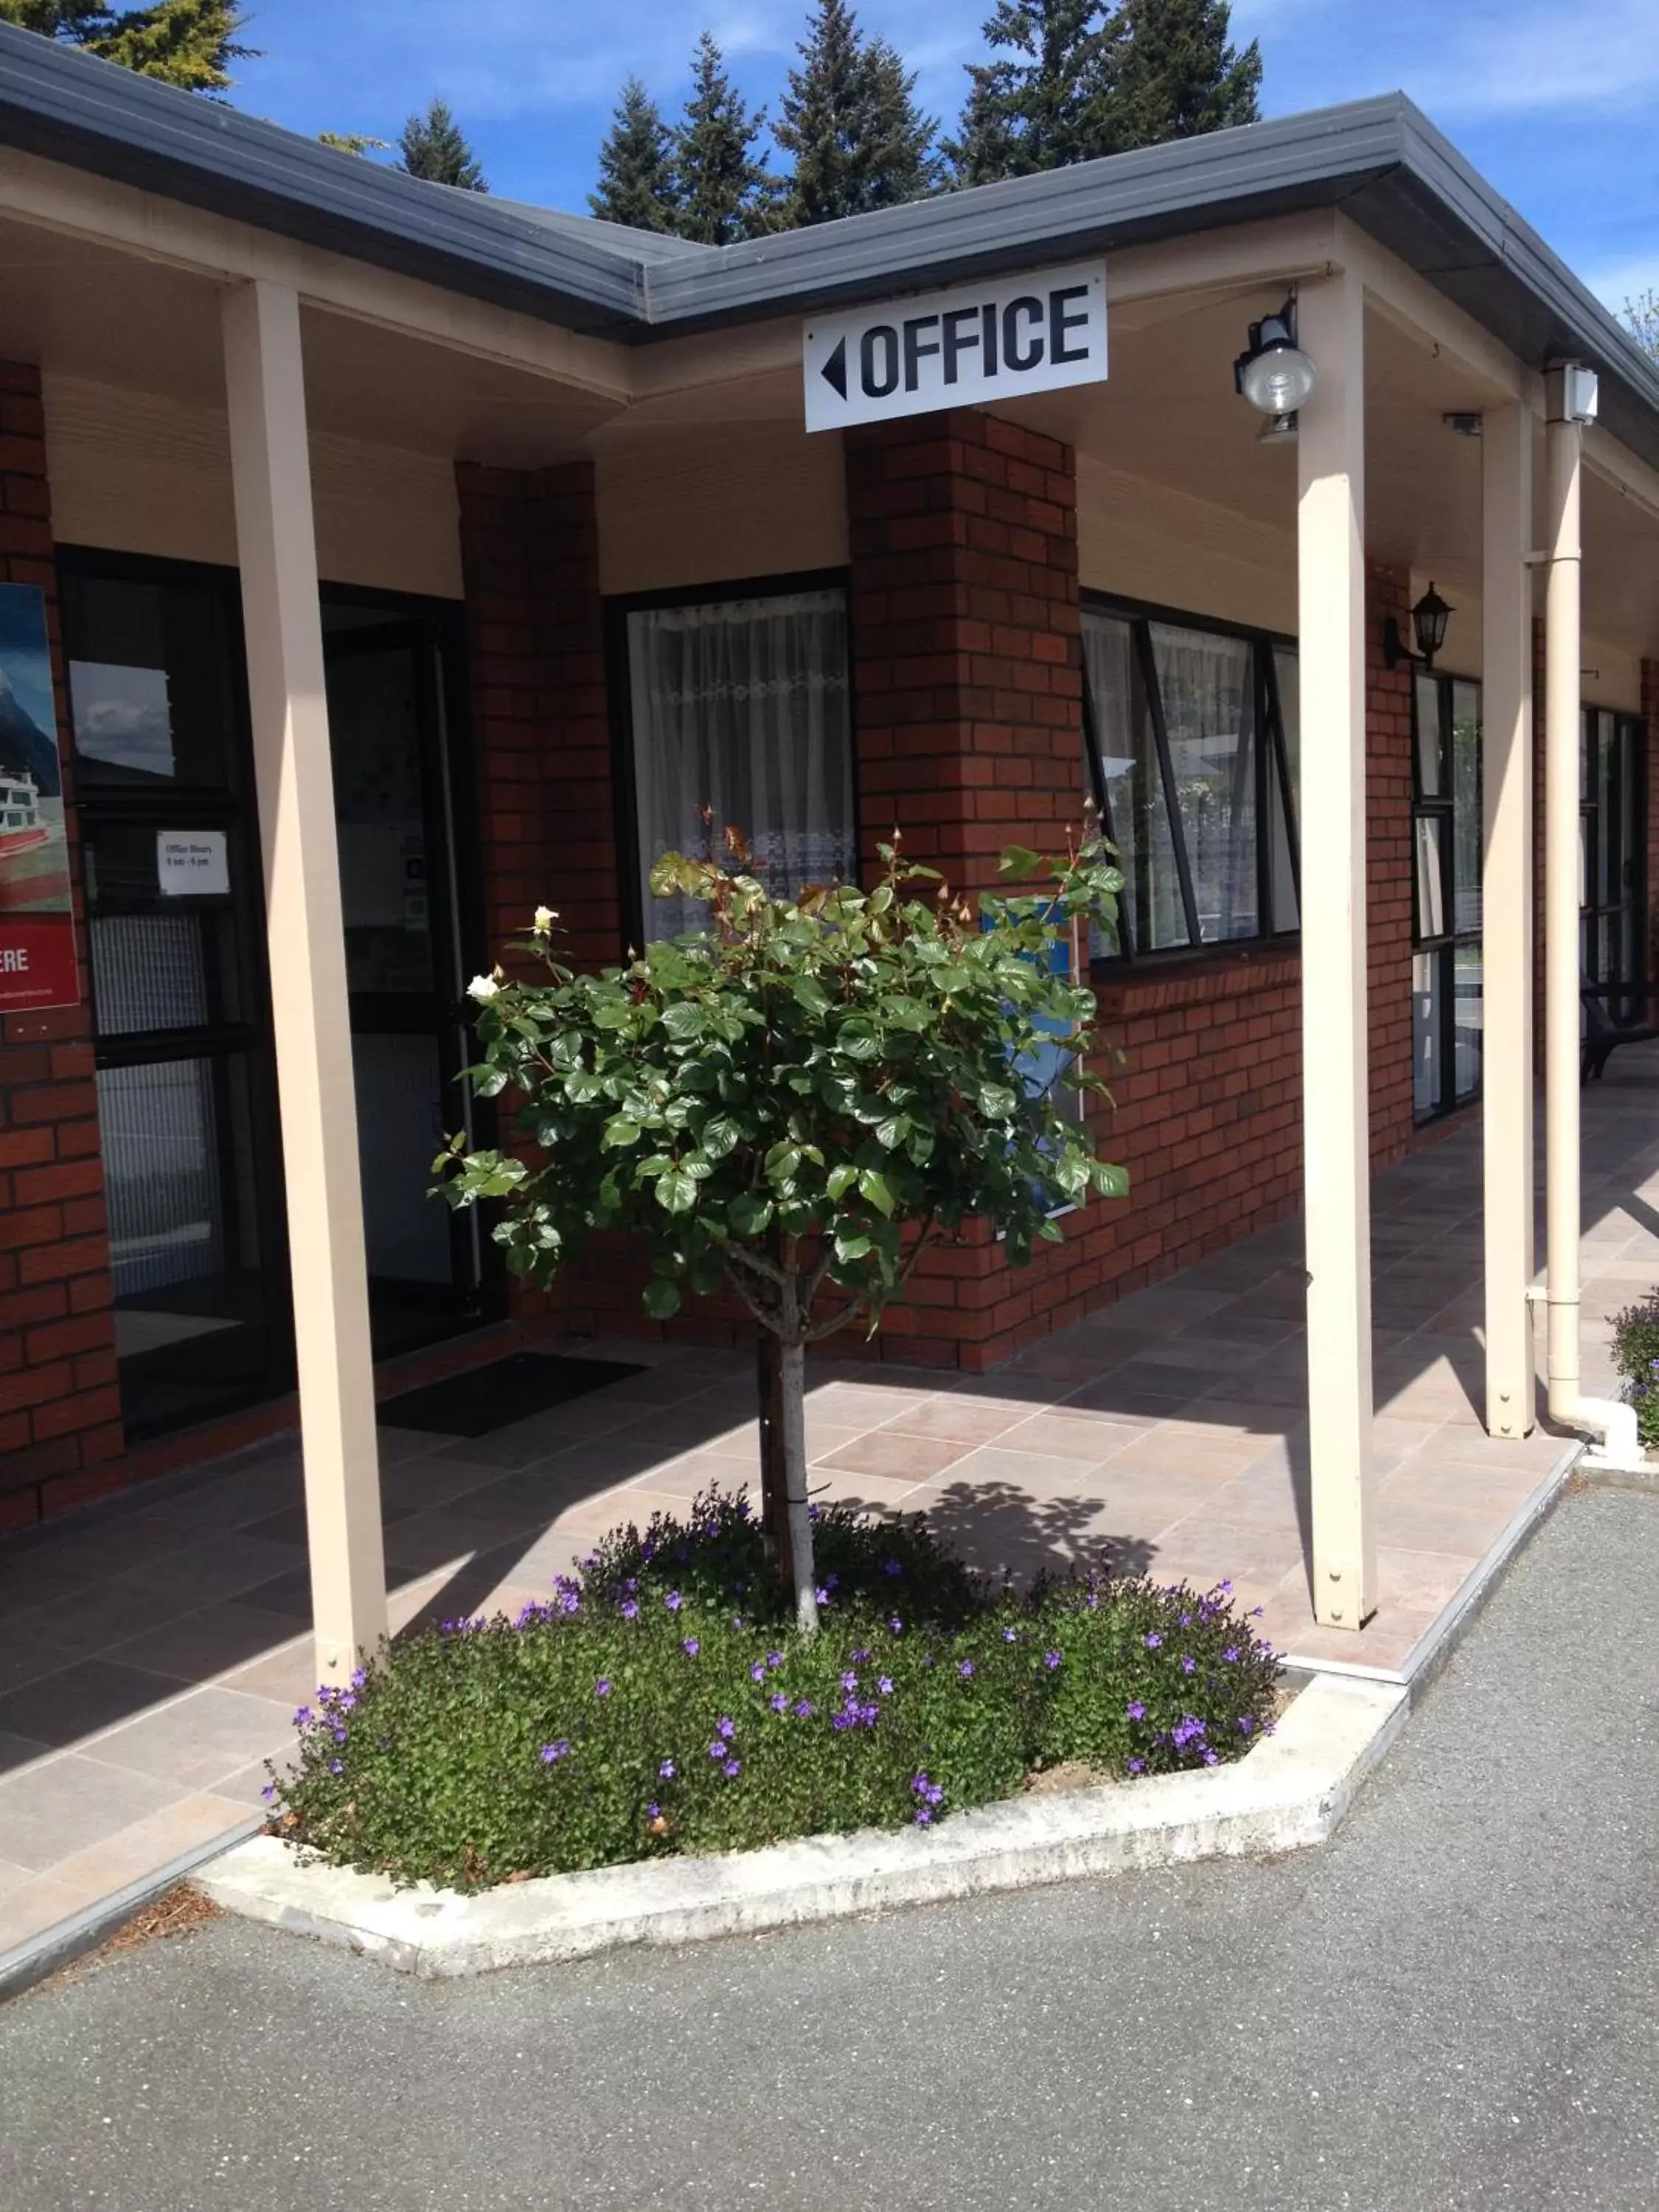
(152, 1650)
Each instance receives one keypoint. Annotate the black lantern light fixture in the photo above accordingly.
(1274, 375)
(1429, 619)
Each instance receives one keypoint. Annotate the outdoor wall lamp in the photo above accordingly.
(1429, 619)
(1274, 375)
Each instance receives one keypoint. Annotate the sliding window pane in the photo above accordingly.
(1466, 806)
(1430, 773)
(1138, 815)
(179, 1182)
(159, 962)
(1467, 1034)
(1427, 974)
(1207, 687)
(1286, 913)
(1431, 875)
(150, 702)
(741, 706)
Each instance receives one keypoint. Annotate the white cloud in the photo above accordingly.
(1539, 58)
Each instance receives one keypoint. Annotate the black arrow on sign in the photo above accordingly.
(835, 369)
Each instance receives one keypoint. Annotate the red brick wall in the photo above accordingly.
(967, 659)
(1650, 716)
(1389, 915)
(60, 1419)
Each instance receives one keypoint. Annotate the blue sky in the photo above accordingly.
(1557, 105)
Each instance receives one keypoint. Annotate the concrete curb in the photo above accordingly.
(1290, 1792)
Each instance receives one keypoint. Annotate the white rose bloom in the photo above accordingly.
(482, 987)
(545, 918)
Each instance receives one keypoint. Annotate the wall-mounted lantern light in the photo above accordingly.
(1274, 375)
(1429, 619)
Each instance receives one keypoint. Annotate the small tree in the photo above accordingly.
(636, 167)
(1176, 76)
(848, 118)
(1641, 320)
(188, 43)
(723, 192)
(798, 1101)
(432, 146)
(1046, 100)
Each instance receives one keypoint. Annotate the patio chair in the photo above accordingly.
(1604, 1032)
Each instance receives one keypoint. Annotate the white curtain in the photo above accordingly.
(1207, 683)
(742, 705)
(1137, 809)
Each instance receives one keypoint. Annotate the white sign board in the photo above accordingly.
(1038, 331)
(191, 864)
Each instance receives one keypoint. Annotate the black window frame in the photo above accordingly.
(624, 782)
(1271, 759)
(1630, 736)
(1444, 945)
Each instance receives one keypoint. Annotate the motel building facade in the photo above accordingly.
(383, 561)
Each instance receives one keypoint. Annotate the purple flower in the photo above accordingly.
(859, 1658)
(654, 1811)
(774, 1658)
(1137, 1766)
(359, 1676)
(779, 1701)
(630, 1608)
(821, 1595)
(757, 1672)
(849, 1682)
(1154, 1641)
(1245, 1724)
(964, 1668)
(884, 1685)
(733, 1768)
(552, 1753)
(1137, 1711)
(1010, 1636)
(1190, 1666)
(897, 1626)
(691, 1646)
(803, 1709)
(1185, 1620)
(1211, 1759)
(1051, 1660)
(269, 1791)
(602, 1687)
(718, 1748)
(673, 1601)
(335, 1766)
(304, 1718)
(724, 1726)
(924, 1816)
(1230, 1654)
(667, 1770)
(891, 1567)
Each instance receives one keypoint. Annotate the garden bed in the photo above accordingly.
(659, 1705)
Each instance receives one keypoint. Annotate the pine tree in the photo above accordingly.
(432, 146)
(723, 192)
(1176, 76)
(1052, 106)
(188, 43)
(636, 167)
(850, 120)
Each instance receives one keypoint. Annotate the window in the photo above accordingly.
(1446, 959)
(1191, 750)
(742, 705)
(1612, 817)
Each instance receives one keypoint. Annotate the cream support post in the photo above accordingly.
(1331, 588)
(1571, 405)
(265, 382)
(1507, 904)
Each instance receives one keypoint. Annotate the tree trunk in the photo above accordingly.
(798, 1516)
(775, 1487)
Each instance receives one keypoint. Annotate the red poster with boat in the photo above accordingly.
(37, 922)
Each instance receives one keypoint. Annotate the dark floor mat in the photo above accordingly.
(486, 1399)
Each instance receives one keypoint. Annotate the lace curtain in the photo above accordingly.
(742, 705)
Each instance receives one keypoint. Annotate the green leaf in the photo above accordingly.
(840, 1180)
(996, 1101)
(662, 1298)
(619, 1130)
(676, 1192)
(782, 1163)
(853, 1248)
(750, 1213)
(685, 1022)
(891, 1132)
(873, 1185)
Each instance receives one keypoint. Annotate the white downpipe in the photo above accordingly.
(1612, 1424)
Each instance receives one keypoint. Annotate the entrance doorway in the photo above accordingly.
(187, 1079)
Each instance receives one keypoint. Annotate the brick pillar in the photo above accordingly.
(1651, 719)
(60, 1414)
(967, 663)
(1388, 867)
(541, 738)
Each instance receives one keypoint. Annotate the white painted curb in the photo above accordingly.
(1291, 1791)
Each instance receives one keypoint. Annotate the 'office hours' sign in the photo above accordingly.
(1038, 331)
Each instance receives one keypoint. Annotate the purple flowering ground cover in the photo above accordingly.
(1636, 1353)
(661, 1701)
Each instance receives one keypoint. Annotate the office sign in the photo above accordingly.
(1038, 331)
(37, 926)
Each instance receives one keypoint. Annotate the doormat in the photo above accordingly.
(486, 1399)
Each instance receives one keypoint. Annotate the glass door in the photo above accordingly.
(175, 922)
(385, 674)
(1446, 958)
(1611, 829)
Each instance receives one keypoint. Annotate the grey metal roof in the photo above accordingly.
(1381, 161)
